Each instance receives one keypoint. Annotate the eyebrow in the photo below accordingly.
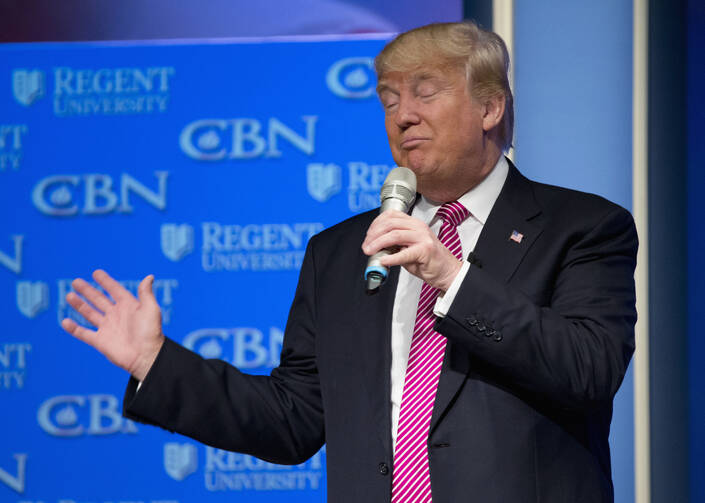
(382, 87)
(420, 77)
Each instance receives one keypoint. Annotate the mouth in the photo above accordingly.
(412, 142)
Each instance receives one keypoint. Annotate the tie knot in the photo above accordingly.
(453, 213)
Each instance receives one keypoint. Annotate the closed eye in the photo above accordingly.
(388, 99)
(427, 89)
(390, 104)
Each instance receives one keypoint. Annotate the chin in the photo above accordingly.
(416, 162)
(419, 169)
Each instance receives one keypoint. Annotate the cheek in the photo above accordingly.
(393, 140)
(467, 133)
(392, 129)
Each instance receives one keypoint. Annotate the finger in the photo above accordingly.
(392, 239)
(86, 310)
(79, 332)
(385, 223)
(402, 257)
(91, 294)
(144, 290)
(396, 217)
(115, 289)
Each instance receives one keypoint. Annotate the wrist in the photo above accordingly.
(147, 361)
(453, 271)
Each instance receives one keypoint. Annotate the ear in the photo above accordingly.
(493, 112)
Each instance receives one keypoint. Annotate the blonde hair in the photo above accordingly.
(481, 53)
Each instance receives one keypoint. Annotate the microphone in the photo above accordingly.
(398, 193)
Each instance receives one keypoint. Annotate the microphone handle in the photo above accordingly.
(376, 273)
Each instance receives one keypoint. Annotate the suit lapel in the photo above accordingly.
(499, 255)
(513, 214)
(375, 340)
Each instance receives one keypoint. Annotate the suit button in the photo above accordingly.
(471, 321)
(383, 468)
(490, 332)
(481, 327)
(497, 337)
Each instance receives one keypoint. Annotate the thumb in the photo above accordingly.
(144, 291)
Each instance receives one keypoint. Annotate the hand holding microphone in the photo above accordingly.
(398, 193)
(396, 238)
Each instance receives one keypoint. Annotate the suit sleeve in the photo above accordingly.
(572, 352)
(278, 418)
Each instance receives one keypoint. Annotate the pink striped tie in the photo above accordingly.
(411, 480)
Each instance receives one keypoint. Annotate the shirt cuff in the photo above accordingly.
(443, 303)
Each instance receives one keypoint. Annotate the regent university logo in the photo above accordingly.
(323, 180)
(180, 460)
(27, 85)
(32, 297)
(176, 241)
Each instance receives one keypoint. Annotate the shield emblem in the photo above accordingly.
(32, 298)
(176, 240)
(180, 460)
(27, 86)
(322, 180)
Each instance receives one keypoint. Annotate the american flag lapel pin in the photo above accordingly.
(516, 236)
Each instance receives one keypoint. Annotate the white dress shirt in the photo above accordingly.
(479, 202)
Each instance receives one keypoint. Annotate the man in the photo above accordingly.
(488, 382)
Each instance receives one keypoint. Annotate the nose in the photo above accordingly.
(407, 113)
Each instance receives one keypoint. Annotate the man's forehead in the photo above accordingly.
(393, 79)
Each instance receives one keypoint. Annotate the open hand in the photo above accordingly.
(129, 331)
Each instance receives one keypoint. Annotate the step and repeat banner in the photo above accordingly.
(207, 165)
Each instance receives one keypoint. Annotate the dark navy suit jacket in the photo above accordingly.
(540, 335)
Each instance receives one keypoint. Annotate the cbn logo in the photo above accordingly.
(32, 297)
(14, 264)
(56, 195)
(244, 347)
(245, 138)
(176, 241)
(27, 85)
(180, 460)
(16, 482)
(352, 78)
(76, 415)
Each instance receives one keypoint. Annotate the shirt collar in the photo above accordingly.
(479, 200)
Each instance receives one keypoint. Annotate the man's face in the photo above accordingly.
(435, 129)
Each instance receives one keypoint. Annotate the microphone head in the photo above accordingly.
(400, 184)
